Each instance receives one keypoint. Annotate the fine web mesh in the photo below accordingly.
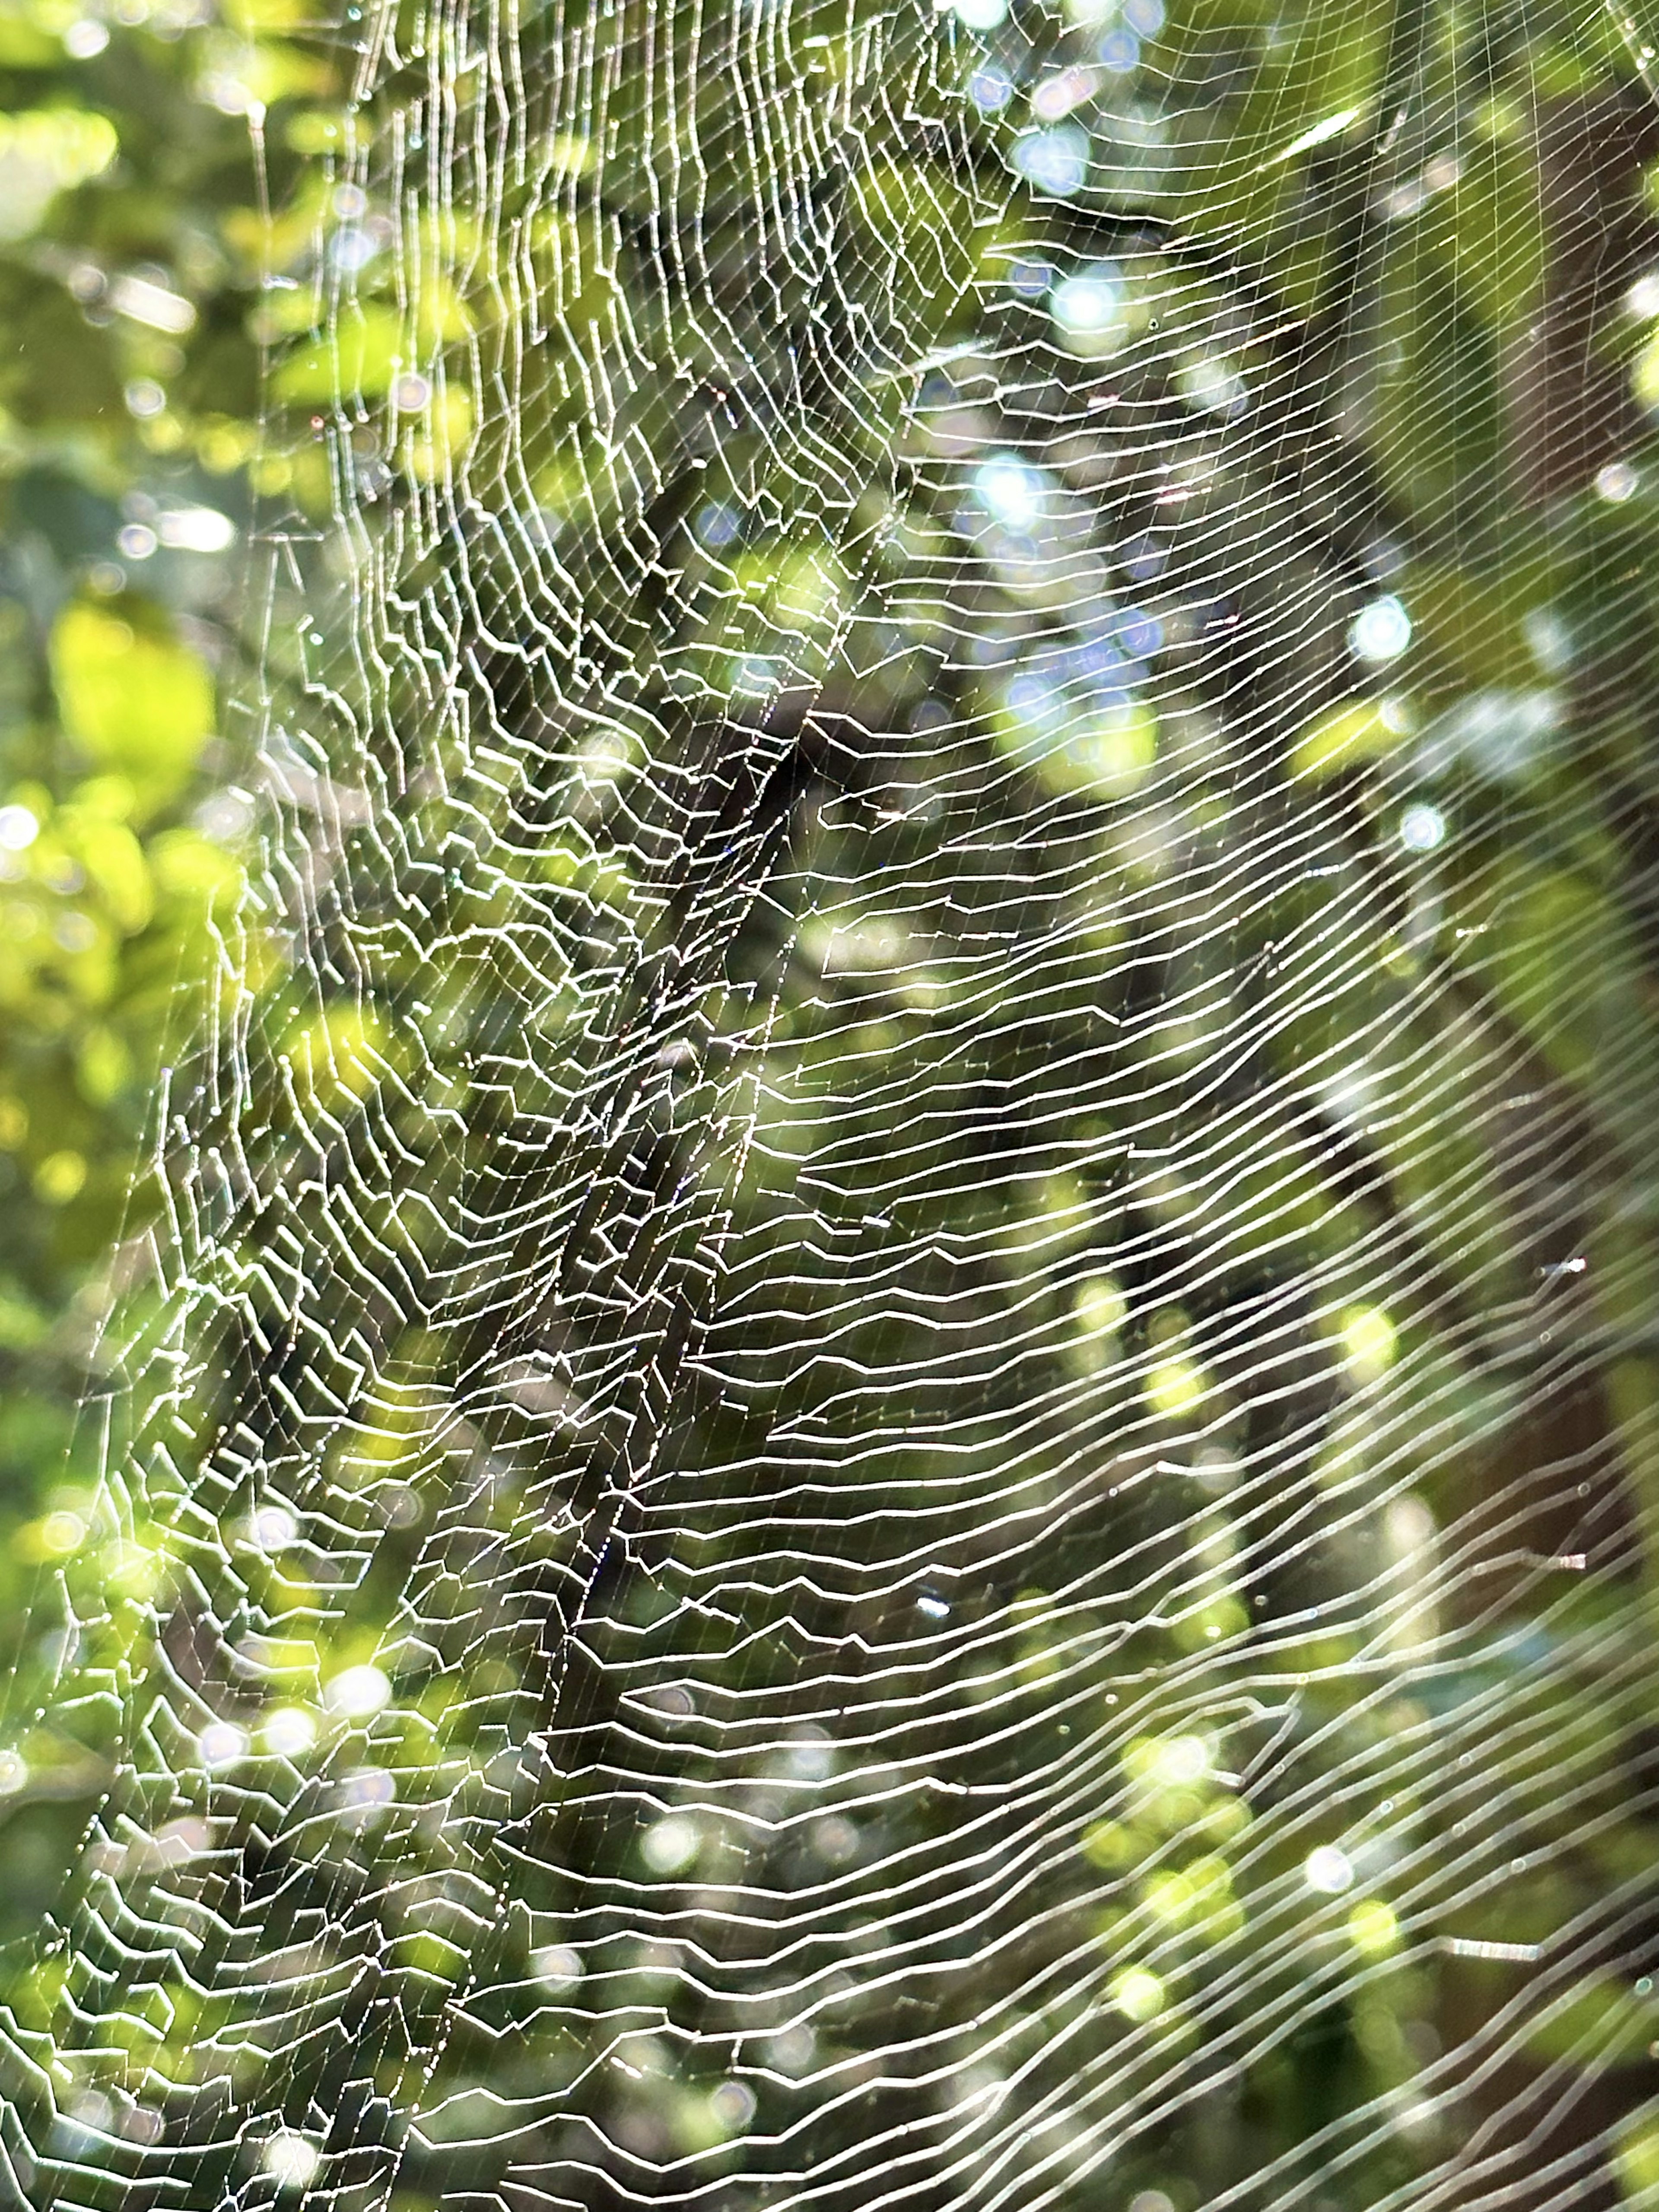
(889, 1438)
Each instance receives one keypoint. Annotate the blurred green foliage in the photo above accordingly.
(1457, 691)
(131, 254)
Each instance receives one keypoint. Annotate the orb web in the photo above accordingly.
(888, 1443)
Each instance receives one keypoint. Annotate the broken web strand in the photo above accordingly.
(839, 1198)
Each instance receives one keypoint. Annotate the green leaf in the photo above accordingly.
(1558, 958)
(138, 702)
(114, 863)
(363, 356)
(1096, 748)
(43, 152)
(1364, 730)
(1600, 2025)
(1636, 2162)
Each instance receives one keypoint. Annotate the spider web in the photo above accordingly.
(887, 1440)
